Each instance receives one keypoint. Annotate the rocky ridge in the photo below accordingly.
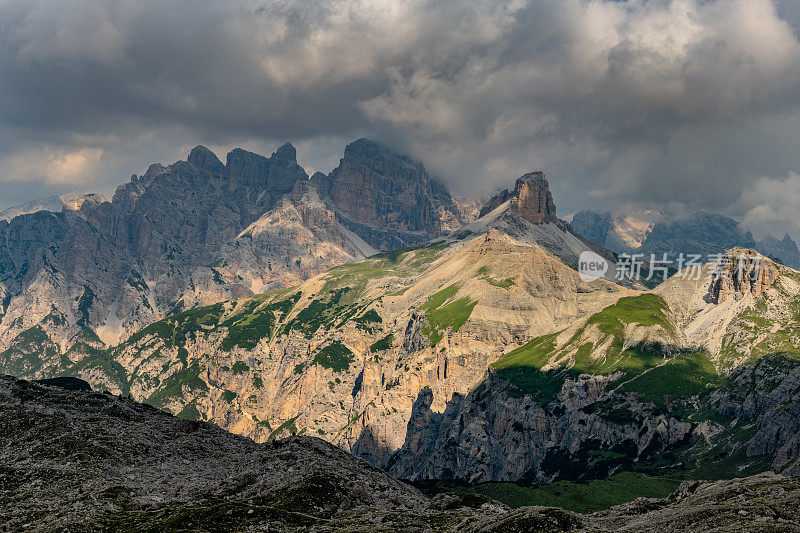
(592, 426)
(201, 231)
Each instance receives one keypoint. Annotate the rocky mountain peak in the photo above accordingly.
(741, 271)
(372, 149)
(531, 198)
(202, 157)
(246, 167)
(387, 198)
(277, 173)
(286, 153)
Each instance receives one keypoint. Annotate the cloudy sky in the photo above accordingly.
(680, 104)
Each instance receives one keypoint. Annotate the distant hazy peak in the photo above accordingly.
(71, 201)
(370, 147)
(654, 231)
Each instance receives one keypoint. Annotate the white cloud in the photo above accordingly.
(771, 203)
(53, 166)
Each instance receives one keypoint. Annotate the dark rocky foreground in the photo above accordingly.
(77, 460)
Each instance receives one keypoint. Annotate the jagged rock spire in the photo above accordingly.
(531, 198)
(739, 271)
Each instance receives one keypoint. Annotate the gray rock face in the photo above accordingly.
(413, 339)
(388, 199)
(594, 226)
(495, 201)
(489, 435)
(765, 393)
(112, 267)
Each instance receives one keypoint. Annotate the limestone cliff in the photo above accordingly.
(741, 271)
(593, 427)
(532, 199)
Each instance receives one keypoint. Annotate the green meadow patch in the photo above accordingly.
(383, 344)
(687, 374)
(443, 315)
(580, 497)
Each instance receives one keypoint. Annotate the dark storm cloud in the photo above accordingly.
(686, 103)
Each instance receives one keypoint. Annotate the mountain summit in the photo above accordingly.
(387, 198)
(528, 214)
(531, 198)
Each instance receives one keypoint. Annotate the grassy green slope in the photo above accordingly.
(445, 312)
(770, 325)
(652, 369)
(247, 321)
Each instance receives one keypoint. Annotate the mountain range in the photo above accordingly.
(440, 341)
(653, 232)
(200, 231)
